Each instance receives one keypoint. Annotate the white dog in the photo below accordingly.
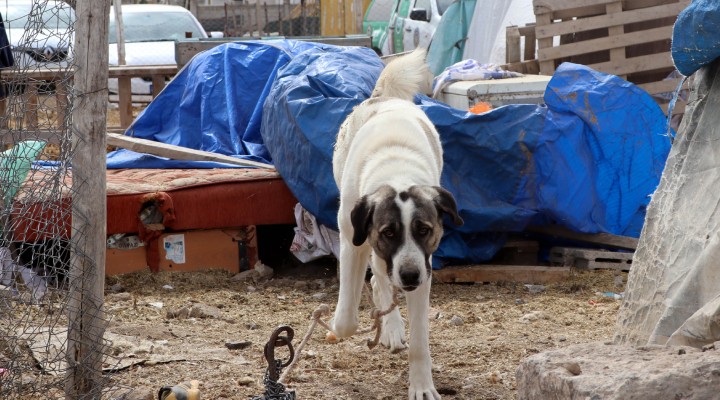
(387, 164)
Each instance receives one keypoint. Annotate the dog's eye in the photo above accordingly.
(388, 232)
(423, 230)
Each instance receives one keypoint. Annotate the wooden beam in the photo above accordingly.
(608, 20)
(605, 239)
(86, 317)
(650, 62)
(495, 273)
(616, 42)
(177, 152)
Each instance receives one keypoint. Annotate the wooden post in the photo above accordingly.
(124, 84)
(86, 325)
(257, 18)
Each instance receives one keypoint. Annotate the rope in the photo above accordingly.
(324, 309)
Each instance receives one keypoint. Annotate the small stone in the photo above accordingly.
(319, 296)
(311, 354)
(535, 289)
(561, 338)
(456, 320)
(140, 394)
(300, 285)
(619, 282)
(519, 301)
(181, 313)
(532, 316)
(250, 274)
(124, 296)
(282, 297)
(117, 288)
(167, 287)
(263, 270)
(491, 338)
(251, 326)
(238, 345)
(320, 284)
(573, 368)
(204, 311)
(251, 289)
(246, 381)
(156, 304)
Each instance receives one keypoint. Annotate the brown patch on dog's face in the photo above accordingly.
(404, 229)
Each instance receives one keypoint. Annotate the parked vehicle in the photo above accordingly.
(40, 33)
(150, 32)
(408, 23)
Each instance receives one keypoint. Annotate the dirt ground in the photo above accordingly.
(479, 333)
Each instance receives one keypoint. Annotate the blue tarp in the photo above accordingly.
(589, 160)
(696, 36)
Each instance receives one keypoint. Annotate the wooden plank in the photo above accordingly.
(512, 44)
(636, 64)
(665, 86)
(678, 109)
(125, 103)
(616, 43)
(158, 84)
(530, 42)
(546, 67)
(186, 50)
(508, 273)
(605, 239)
(617, 52)
(604, 21)
(177, 152)
(591, 259)
(544, 6)
(115, 71)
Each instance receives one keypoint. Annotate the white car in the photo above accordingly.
(150, 32)
(40, 33)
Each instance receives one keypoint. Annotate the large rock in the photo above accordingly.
(598, 371)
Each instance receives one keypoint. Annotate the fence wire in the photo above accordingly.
(37, 246)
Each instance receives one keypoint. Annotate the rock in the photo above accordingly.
(532, 316)
(614, 372)
(204, 311)
(251, 326)
(263, 270)
(139, 394)
(519, 301)
(181, 313)
(319, 296)
(456, 320)
(251, 289)
(535, 289)
(124, 296)
(250, 274)
(246, 381)
(117, 288)
(301, 284)
(238, 345)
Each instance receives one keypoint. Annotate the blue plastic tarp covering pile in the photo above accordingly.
(696, 36)
(589, 160)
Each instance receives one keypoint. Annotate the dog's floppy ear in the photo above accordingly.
(445, 203)
(361, 218)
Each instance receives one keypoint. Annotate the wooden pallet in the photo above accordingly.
(590, 259)
(520, 49)
(629, 38)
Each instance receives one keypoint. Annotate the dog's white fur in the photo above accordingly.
(388, 140)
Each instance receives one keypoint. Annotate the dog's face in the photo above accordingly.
(404, 229)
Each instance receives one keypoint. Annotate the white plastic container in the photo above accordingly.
(528, 89)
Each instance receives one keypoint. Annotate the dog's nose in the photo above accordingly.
(410, 279)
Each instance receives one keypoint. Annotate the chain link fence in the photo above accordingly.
(41, 312)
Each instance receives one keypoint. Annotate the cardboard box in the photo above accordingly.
(232, 249)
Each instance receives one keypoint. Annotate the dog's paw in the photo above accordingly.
(426, 391)
(343, 326)
(393, 334)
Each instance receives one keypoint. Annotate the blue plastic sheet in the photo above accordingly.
(213, 104)
(696, 36)
(589, 160)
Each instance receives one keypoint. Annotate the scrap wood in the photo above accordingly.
(177, 152)
(606, 239)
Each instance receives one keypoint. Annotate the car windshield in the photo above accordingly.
(49, 15)
(154, 27)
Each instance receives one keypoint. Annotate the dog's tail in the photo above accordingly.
(404, 77)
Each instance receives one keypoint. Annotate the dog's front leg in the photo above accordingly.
(353, 265)
(421, 382)
(393, 328)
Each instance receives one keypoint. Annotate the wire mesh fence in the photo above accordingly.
(40, 312)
